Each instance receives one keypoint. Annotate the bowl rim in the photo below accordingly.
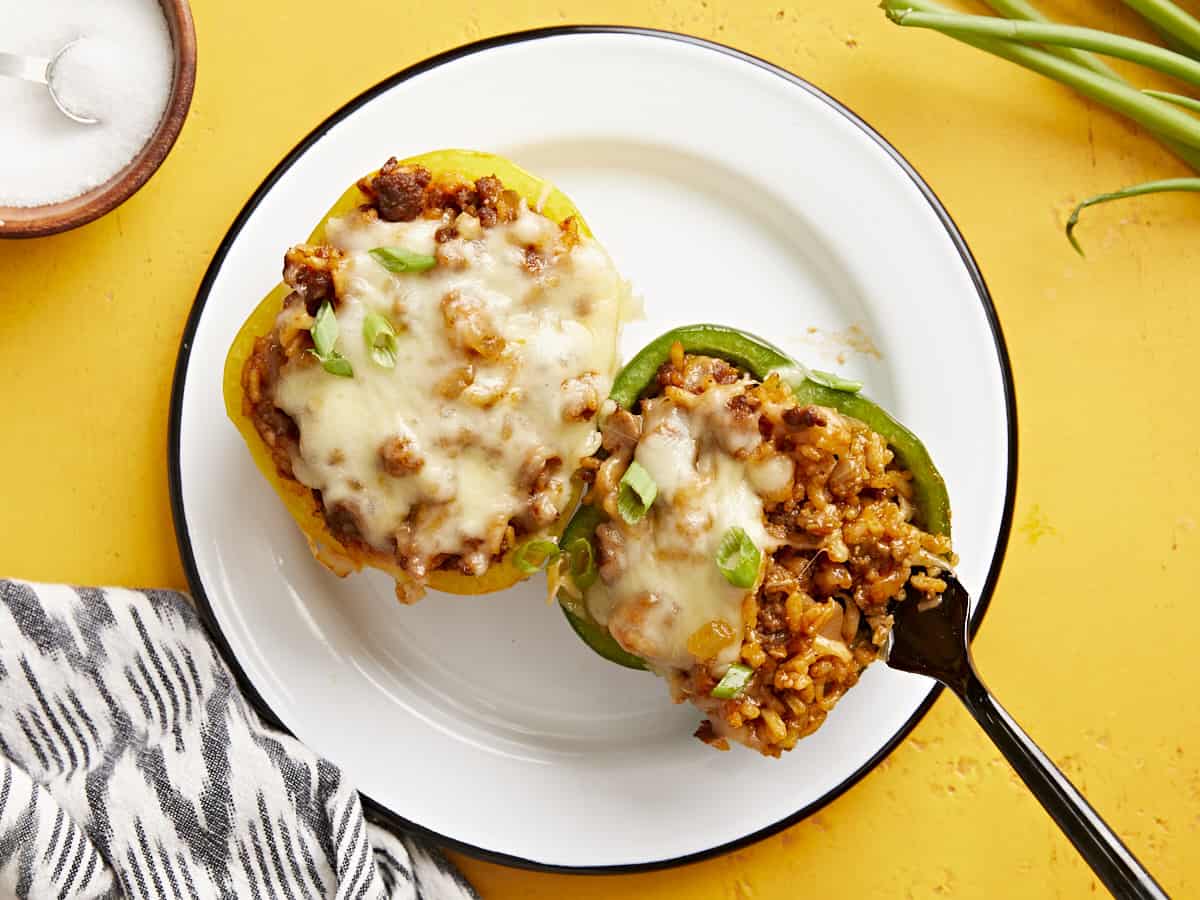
(379, 813)
(63, 215)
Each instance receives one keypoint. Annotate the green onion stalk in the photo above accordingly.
(1173, 23)
(1022, 9)
(1067, 54)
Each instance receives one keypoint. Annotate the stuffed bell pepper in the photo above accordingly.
(424, 384)
(748, 525)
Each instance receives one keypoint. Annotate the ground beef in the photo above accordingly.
(621, 431)
(610, 552)
(489, 190)
(743, 406)
(276, 428)
(398, 457)
(804, 417)
(696, 372)
(399, 191)
(308, 271)
(342, 521)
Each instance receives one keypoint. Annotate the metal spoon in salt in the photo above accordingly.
(42, 71)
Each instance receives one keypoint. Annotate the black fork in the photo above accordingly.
(935, 643)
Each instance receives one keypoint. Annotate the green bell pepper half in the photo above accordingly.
(759, 358)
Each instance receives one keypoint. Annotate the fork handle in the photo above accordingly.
(1111, 860)
(27, 68)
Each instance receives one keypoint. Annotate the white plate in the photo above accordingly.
(728, 191)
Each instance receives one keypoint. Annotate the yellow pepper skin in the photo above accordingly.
(298, 499)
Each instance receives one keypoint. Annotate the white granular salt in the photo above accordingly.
(120, 72)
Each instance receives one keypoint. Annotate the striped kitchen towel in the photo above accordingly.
(130, 765)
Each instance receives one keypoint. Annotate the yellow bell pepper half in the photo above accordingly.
(298, 499)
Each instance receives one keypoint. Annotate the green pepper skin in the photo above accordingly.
(759, 358)
(583, 525)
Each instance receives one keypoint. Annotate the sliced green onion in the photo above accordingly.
(381, 339)
(738, 558)
(325, 330)
(334, 364)
(397, 259)
(338, 365)
(733, 682)
(324, 334)
(533, 555)
(636, 493)
(1151, 187)
(834, 382)
(583, 563)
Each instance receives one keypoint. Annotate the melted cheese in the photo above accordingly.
(670, 586)
(557, 324)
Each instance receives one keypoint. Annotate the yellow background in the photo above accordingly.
(1090, 637)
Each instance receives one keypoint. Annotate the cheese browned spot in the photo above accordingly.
(468, 443)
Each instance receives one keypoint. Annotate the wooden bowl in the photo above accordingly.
(51, 218)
